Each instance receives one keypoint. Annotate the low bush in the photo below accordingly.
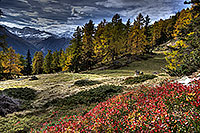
(8, 105)
(83, 82)
(87, 97)
(20, 93)
(171, 107)
(25, 95)
(139, 79)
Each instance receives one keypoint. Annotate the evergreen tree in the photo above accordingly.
(23, 62)
(137, 39)
(184, 57)
(88, 45)
(48, 63)
(38, 61)
(55, 65)
(62, 59)
(116, 37)
(28, 64)
(125, 36)
(78, 55)
(11, 62)
(99, 41)
(147, 33)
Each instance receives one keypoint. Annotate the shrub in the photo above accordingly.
(139, 79)
(24, 94)
(8, 105)
(170, 107)
(20, 93)
(82, 82)
(87, 97)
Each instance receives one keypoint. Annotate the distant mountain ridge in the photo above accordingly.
(35, 40)
(20, 45)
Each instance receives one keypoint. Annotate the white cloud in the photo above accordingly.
(25, 1)
(31, 14)
(84, 10)
(54, 10)
(11, 24)
(121, 3)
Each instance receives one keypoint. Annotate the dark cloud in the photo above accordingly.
(61, 15)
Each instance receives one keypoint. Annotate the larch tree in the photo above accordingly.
(38, 61)
(117, 35)
(88, 45)
(55, 65)
(137, 38)
(11, 62)
(99, 41)
(48, 63)
(77, 54)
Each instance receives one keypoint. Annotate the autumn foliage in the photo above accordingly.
(169, 107)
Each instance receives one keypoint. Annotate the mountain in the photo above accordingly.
(19, 44)
(39, 40)
(53, 43)
(30, 34)
(67, 34)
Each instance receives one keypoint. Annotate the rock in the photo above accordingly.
(137, 72)
(155, 73)
(33, 78)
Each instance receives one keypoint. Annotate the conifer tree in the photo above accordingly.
(116, 37)
(99, 41)
(78, 53)
(125, 36)
(62, 59)
(137, 39)
(23, 62)
(28, 64)
(88, 45)
(11, 63)
(47, 65)
(38, 61)
(184, 57)
(147, 33)
(55, 65)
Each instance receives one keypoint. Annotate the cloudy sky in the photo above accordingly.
(60, 15)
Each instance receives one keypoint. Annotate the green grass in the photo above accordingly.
(139, 79)
(82, 82)
(147, 66)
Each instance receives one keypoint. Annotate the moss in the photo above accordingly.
(139, 79)
(82, 82)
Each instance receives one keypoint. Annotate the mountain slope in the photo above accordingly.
(42, 40)
(19, 44)
(53, 43)
(31, 35)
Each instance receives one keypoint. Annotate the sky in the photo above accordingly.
(58, 16)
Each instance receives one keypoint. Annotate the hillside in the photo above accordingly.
(114, 77)
(20, 45)
(52, 91)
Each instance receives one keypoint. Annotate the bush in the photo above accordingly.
(20, 93)
(87, 97)
(8, 105)
(82, 82)
(25, 95)
(190, 64)
(139, 79)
